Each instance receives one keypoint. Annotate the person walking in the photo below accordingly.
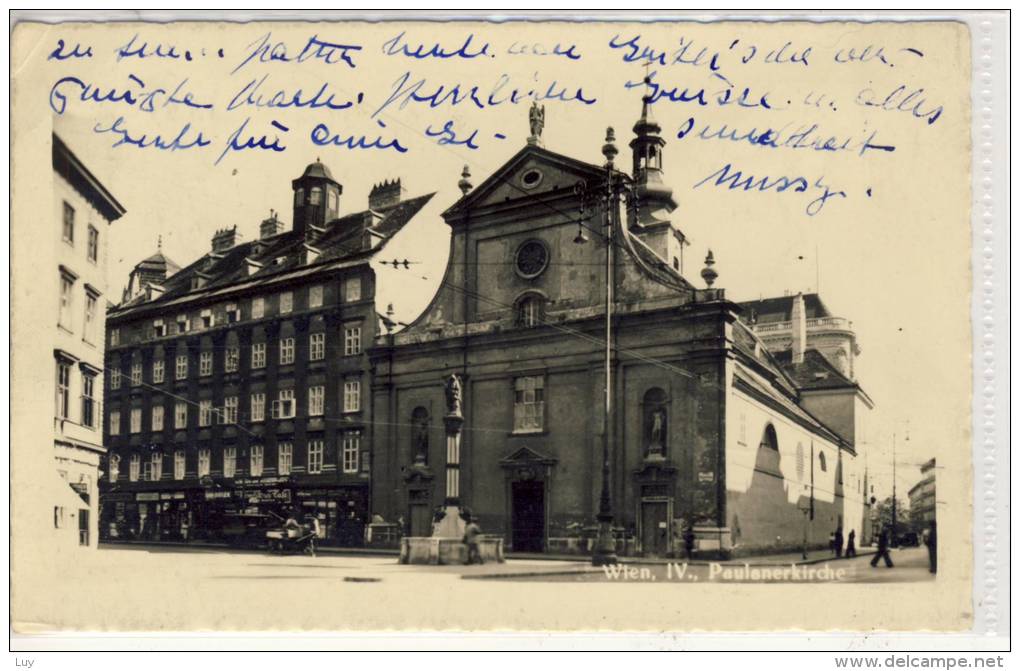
(838, 542)
(931, 541)
(851, 544)
(471, 534)
(883, 549)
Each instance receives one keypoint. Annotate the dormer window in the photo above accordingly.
(315, 196)
(183, 324)
(208, 321)
(299, 197)
(233, 313)
(158, 328)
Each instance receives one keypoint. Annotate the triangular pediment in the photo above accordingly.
(526, 455)
(532, 171)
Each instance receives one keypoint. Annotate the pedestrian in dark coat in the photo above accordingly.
(471, 538)
(851, 544)
(838, 542)
(883, 549)
(932, 543)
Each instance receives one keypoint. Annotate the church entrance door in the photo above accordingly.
(528, 500)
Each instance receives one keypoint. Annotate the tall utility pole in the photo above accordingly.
(893, 539)
(604, 551)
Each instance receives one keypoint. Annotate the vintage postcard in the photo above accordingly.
(472, 325)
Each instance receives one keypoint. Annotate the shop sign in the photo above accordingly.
(147, 496)
(706, 476)
(170, 496)
(217, 495)
(264, 495)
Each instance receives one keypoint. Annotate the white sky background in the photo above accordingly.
(896, 262)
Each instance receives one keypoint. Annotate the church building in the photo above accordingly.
(709, 434)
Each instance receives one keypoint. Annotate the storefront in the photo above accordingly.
(342, 513)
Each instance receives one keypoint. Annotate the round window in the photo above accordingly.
(531, 178)
(531, 259)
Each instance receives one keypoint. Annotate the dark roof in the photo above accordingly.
(74, 171)
(161, 262)
(283, 252)
(816, 372)
(317, 169)
(779, 309)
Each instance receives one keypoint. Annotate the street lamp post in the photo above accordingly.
(604, 550)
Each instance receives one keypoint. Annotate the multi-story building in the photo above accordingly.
(709, 431)
(922, 498)
(238, 384)
(83, 210)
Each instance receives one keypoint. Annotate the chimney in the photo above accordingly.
(223, 239)
(798, 326)
(386, 194)
(270, 227)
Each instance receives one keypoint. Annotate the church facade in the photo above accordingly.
(708, 436)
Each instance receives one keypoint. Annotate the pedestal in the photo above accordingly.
(451, 526)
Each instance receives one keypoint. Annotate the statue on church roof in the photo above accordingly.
(536, 119)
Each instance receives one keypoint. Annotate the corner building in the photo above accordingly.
(708, 431)
(238, 386)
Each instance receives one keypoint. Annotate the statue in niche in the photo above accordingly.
(453, 395)
(656, 423)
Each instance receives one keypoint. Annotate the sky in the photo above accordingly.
(890, 251)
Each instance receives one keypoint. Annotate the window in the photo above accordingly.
(58, 517)
(821, 461)
(205, 412)
(299, 197)
(114, 379)
(350, 451)
(286, 302)
(203, 462)
(158, 370)
(89, 416)
(156, 466)
(67, 232)
(179, 464)
(258, 355)
(63, 389)
(316, 400)
(114, 422)
(352, 395)
(229, 415)
(114, 468)
(258, 308)
(529, 404)
(315, 196)
(285, 458)
(315, 452)
(317, 346)
(93, 248)
(66, 300)
(256, 461)
(181, 372)
(283, 407)
(183, 324)
(231, 359)
(233, 313)
(800, 462)
(156, 419)
(315, 296)
(530, 311)
(158, 328)
(181, 415)
(136, 420)
(114, 337)
(286, 351)
(89, 329)
(134, 467)
(352, 289)
(352, 341)
(258, 407)
(333, 201)
(205, 364)
(208, 320)
(136, 374)
(229, 462)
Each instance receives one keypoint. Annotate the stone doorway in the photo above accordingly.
(655, 528)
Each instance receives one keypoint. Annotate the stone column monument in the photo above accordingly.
(451, 525)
